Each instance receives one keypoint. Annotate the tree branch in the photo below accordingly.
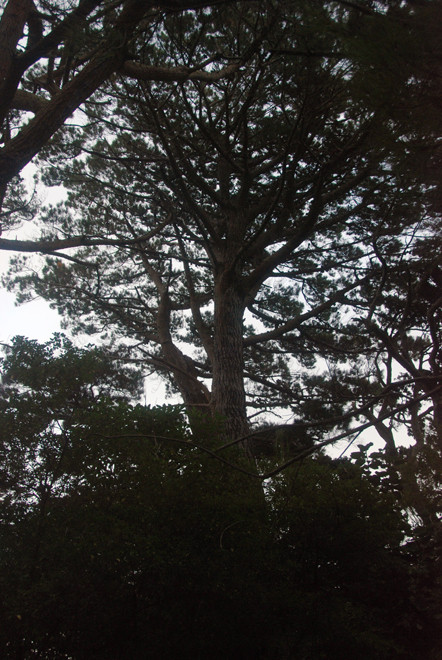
(53, 245)
(174, 74)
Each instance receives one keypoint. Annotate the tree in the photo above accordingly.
(252, 214)
(120, 538)
(282, 189)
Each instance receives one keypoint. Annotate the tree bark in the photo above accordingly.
(195, 394)
(228, 392)
(12, 25)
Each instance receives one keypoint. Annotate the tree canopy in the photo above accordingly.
(274, 209)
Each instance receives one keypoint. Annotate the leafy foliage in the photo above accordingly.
(125, 541)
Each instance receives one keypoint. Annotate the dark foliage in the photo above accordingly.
(121, 540)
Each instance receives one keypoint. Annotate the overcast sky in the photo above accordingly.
(34, 319)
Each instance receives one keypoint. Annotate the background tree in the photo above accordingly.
(123, 539)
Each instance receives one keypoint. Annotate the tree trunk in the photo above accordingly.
(228, 393)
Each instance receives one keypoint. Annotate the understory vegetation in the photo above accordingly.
(124, 535)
